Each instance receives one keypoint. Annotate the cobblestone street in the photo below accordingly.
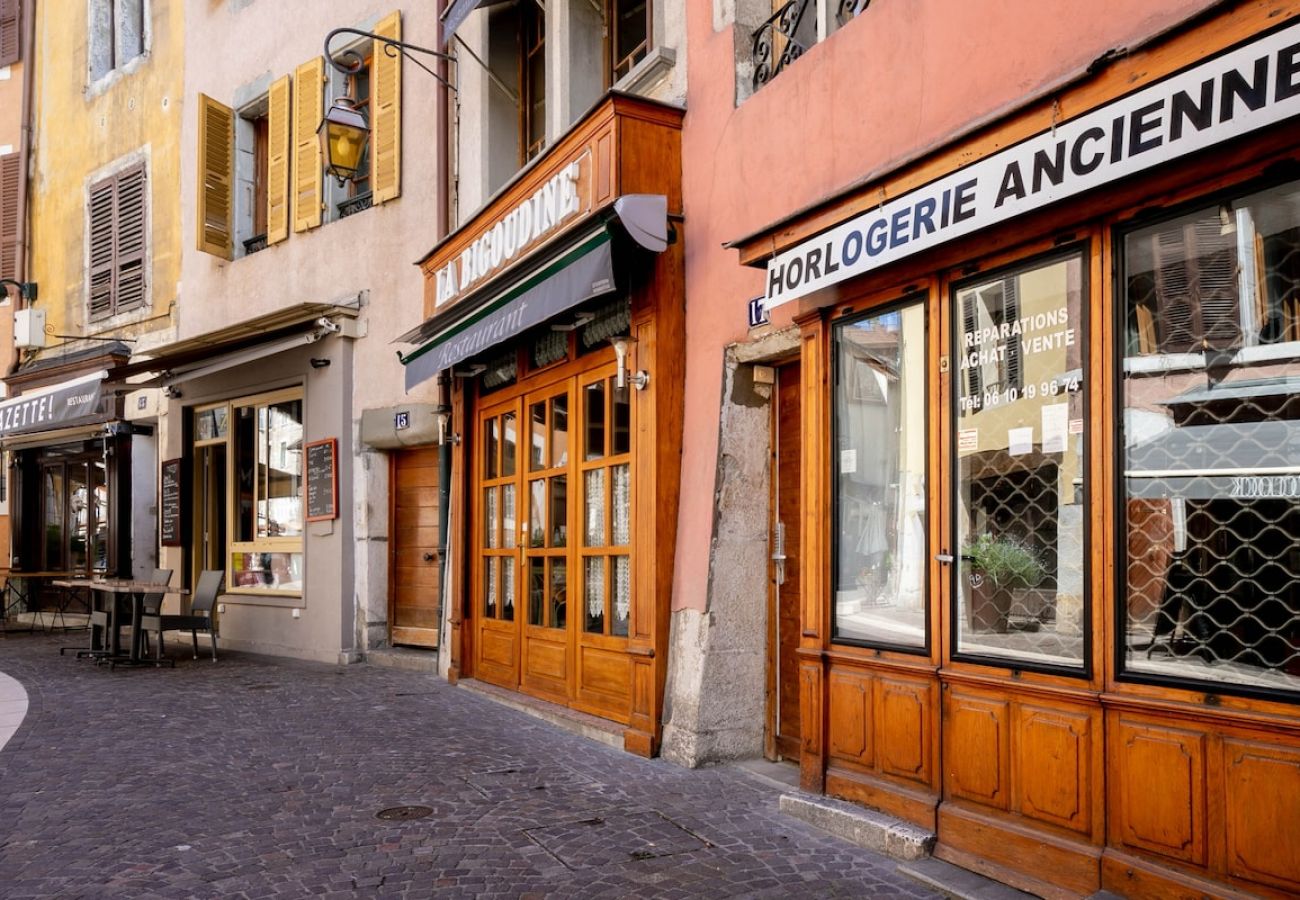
(257, 778)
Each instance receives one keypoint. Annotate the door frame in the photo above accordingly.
(772, 687)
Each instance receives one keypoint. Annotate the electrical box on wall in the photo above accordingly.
(29, 329)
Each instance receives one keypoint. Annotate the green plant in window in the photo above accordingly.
(1005, 562)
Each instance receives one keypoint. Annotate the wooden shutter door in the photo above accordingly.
(216, 157)
(10, 176)
(308, 173)
(10, 44)
(132, 239)
(386, 113)
(279, 135)
(102, 256)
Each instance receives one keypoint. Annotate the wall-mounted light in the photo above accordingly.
(319, 363)
(343, 134)
(640, 379)
(171, 392)
(445, 434)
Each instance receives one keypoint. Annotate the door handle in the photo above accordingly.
(778, 553)
(428, 557)
(945, 558)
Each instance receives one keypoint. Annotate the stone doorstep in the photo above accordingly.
(859, 825)
(962, 884)
(579, 723)
(404, 658)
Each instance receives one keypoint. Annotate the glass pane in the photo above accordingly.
(508, 525)
(267, 571)
(622, 595)
(558, 593)
(491, 448)
(559, 511)
(211, 424)
(78, 517)
(52, 497)
(593, 413)
(490, 565)
(245, 450)
(621, 503)
(537, 513)
(621, 433)
(594, 504)
(593, 580)
(536, 589)
(279, 460)
(1210, 445)
(537, 452)
(508, 589)
(1021, 467)
(880, 414)
(490, 518)
(559, 430)
(508, 444)
(99, 507)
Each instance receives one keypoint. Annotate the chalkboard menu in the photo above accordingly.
(169, 505)
(322, 480)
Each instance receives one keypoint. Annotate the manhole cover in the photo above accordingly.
(402, 813)
(615, 838)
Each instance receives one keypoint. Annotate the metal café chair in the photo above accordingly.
(198, 619)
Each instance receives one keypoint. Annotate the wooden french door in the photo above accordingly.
(783, 664)
(552, 579)
(415, 588)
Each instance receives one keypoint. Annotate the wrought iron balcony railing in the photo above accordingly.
(784, 37)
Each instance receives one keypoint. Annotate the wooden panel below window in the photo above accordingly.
(1263, 813)
(1158, 790)
(1052, 766)
(605, 672)
(849, 716)
(496, 657)
(903, 712)
(976, 751)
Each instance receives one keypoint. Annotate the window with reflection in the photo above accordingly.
(1210, 444)
(1020, 440)
(606, 508)
(880, 456)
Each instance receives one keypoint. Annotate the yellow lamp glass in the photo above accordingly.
(343, 134)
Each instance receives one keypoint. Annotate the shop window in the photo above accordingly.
(1210, 449)
(629, 25)
(880, 441)
(117, 34)
(74, 512)
(118, 238)
(1020, 441)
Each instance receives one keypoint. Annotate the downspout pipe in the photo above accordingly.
(27, 49)
(442, 206)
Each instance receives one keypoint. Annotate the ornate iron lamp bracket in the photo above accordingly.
(349, 61)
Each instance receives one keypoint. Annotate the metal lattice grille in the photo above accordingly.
(1020, 466)
(1211, 445)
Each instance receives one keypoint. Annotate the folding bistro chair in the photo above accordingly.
(198, 619)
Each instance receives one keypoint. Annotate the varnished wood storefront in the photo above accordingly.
(569, 429)
(1054, 613)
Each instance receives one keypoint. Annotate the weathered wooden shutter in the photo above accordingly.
(10, 43)
(308, 171)
(279, 149)
(102, 255)
(132, 239)
(1196, 286)
(216, 156)
(10, 177)
(386, 113)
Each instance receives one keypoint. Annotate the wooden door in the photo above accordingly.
(783, 666)
(496, 538)
(548, 631)
(414, 588)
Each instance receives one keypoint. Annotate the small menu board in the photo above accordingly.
(169, 504)
(322, 480)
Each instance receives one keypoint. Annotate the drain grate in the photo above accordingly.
(403, 813)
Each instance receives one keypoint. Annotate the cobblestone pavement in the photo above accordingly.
(259, 778)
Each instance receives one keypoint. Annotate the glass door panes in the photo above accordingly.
(880, 460)
(1210, 444)
(547, 523)
(498, 542)
(1020, 438)
(605, 474)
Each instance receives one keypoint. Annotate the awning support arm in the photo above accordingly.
(492, 76)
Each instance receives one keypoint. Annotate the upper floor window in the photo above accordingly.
(793, 28)
(118, 237)
(532, 80)
(629, 32)
(116, 34)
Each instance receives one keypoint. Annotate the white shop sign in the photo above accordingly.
(1238, 92)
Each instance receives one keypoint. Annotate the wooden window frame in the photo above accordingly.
(119, 261)
(363, 181)
(531, 19)
(618, 65)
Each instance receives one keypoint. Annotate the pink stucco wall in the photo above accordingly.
(896, 80)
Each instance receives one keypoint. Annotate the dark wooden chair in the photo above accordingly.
(198, 619)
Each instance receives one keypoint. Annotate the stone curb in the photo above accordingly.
(864, 827)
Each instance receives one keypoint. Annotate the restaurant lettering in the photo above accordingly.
(64, 404)
(1236, 93)
(522, 227)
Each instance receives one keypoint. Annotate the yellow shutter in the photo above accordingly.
(308, 171)
(216, 177)
(279, 147)
(386, 113)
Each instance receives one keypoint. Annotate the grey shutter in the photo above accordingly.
(102, 255)
(10, 44)
(132, 238)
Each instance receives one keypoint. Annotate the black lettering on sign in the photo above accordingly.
(322, 480)
(169, 504)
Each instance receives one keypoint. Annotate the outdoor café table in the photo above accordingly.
(13, 594)
(111, 588)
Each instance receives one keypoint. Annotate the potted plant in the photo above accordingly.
(997, 567)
